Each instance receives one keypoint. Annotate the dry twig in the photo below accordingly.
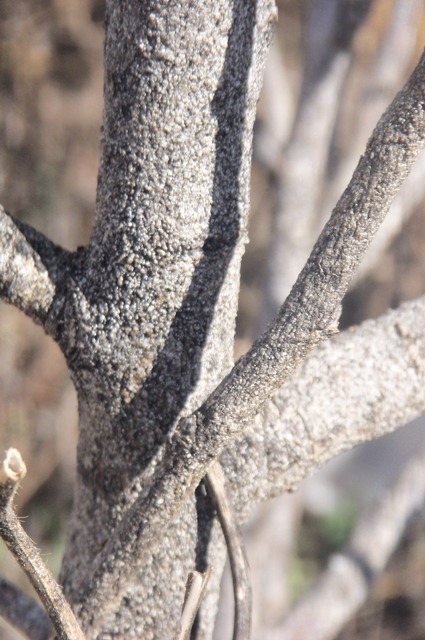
(195, 589)
(27, 555)
(237, 556)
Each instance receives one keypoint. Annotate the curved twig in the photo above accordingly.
(239, 566)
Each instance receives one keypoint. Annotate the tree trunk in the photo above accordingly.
(147, 321)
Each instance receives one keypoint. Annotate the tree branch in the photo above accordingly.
(23, 612)
(28, 556)
(307, 318)
(345, 584)
(361, 384)
(30, 267)
(311, 311)
(303, 164)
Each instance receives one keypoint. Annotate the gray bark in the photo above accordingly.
(150, 312)
(330, 406)
(145, 314)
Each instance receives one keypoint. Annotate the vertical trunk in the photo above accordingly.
(148, 322)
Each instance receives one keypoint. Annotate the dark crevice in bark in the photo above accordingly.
(128, 406)
(206, 514)
(177, 367)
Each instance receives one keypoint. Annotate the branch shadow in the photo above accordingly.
(177, 368)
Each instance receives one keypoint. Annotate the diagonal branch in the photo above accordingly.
(30, 266)
(310, 313)
(350, 574)
(361, 384)
(307, 318)
(23, 612)
(27, 555)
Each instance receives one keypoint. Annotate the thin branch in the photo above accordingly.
(307, 318)
(242, 591)
(23, 612)
(346, 583)
(28, 556)
(195, 589)
(25, 281)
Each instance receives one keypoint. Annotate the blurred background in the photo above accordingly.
(333, 68)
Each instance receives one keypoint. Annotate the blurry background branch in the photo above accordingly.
(329, 31)
(350, 574)
(23, 612)
(374, 89)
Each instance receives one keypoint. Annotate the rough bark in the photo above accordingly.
(330, 405)
(145, 314)
(307, 318)
(149, 317)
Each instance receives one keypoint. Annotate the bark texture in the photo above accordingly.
(147, 326)
(145, 314)
(308, 317)
(330, 405)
